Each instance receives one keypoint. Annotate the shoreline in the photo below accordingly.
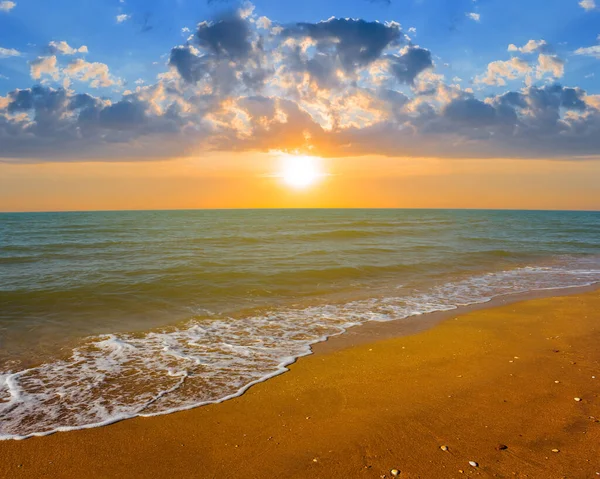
(358, 408)
(373, 331)
(502, 375)
(360, 334)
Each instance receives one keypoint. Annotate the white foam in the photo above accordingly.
(114, 377)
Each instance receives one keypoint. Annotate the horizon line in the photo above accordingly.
(550, 210)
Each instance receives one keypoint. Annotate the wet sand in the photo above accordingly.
(369, 402)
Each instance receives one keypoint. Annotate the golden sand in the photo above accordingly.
(502, 376)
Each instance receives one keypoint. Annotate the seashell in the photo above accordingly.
(395, 472)
(577, 399)
(444, 448)
(473, 464)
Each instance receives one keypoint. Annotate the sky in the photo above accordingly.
(161, 104)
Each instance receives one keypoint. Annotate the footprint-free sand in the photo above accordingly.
(495, 386)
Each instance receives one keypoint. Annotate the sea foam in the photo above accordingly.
(113, 377)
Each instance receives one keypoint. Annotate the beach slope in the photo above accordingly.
(495, 386)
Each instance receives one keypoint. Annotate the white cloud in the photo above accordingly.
(530, 47)
(9, 52)
(7, 6)
(96, 73)
(499, 70)
(123, 18)
(44, 66)
(550, 64)
(474, 16)
(264, 23)
(589, 51)
(64, 48)
(587, 5)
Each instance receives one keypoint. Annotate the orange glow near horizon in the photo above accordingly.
(277, 180)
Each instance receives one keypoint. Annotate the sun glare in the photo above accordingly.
(300, 171)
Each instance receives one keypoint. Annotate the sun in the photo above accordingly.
(300, 171)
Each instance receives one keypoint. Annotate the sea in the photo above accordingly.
(106, 316)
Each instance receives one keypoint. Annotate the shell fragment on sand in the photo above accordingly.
(473, 464)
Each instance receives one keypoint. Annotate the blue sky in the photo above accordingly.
(114, 47)
(442, 26)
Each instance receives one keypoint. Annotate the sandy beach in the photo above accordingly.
(514, 389)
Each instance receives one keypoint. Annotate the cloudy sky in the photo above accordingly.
(181, 103)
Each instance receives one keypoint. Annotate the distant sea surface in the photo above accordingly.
(111, 315)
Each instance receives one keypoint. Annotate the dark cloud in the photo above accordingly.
(356, 43)
(227, 37)
(190, 66)
(407, 66)
(470, 111)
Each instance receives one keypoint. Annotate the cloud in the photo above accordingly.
(97, 74)
(355, 42)
(228, 37)
(122, 18)
(532, 46)
(63, 48)
(474, 16)
(593, 51)
(264, 23)
(190, 66)
(341, 87)
(411, 61)
(6, 6)
(499, 71)
(9, 52)
(470, 111)
(587, 5)
(44, 66)
(550, 64)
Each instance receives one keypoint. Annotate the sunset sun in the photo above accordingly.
(300, 171)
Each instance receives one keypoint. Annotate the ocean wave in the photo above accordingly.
(117, 376)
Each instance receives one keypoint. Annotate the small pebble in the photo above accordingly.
(555, 450)
(444, 448)
(473, 464)
(395, 472)
(577, 399)
(501, 447)
(315, 460)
